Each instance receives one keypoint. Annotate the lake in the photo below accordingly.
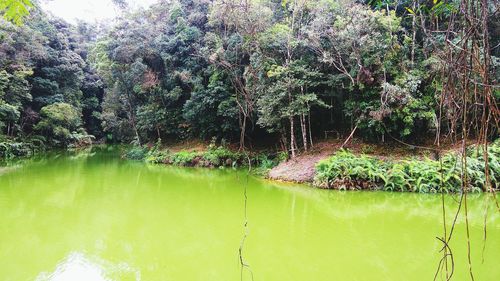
(94, 216)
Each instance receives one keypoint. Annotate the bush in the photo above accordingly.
(183, 158)
(59, 123)
(13, 148)
(137, 153)
(214, 156)
(477, 152)
(348, 171)
(345, 170)
(9, 150)
(222, 156)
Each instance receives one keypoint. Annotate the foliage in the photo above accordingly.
(350, 171)
(290, 70)
(257, 72)
(213, 156)
(137, 153)
(346, 170)
(182, 158)
(15, 10)
(15, 149)
(59, 123)
(42, 66)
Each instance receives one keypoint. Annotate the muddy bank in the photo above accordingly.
(300, 169)
(303, 167)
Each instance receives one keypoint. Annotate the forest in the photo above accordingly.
(274, 73)
(181, 139)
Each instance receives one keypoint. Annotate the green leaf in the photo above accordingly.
(15, 10)
(410, 11)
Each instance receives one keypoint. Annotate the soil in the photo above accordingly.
(302, 168)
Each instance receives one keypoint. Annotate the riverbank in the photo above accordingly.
(26, 147)
(358, 166)
(12, 148)
(196, 154)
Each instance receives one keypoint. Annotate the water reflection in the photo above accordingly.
(78, 267)
(86, 216)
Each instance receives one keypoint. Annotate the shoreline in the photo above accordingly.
(326, 167)
(329, 166)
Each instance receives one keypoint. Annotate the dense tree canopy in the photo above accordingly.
(43, 63)
(245, 70)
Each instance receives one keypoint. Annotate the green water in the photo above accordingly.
(96, 217)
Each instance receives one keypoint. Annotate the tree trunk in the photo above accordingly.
(132, 117)
(310, 131)
(293, 144)
(349, 137)
(304, 130)
(243, 132)
(283, 141)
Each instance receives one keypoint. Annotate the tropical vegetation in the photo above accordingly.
(260, 72)
(345, 170)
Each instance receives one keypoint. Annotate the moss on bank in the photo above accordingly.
(348, 171)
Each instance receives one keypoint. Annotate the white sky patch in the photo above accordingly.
(88, 10)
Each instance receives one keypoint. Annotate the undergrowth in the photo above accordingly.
(345, 170)
(12, 148)
(213, 157)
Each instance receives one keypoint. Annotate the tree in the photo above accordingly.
(14, 92)
(42, 63)
(9, 115)
(58, 122)
(288, 80)
(237, 25)
(212, 110)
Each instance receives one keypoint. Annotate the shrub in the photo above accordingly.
(344, 170)
(21, 147)
(222, 156)
(137, 153)
(58, 121)
(214, 156)
(183, 158)
(348, 171)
